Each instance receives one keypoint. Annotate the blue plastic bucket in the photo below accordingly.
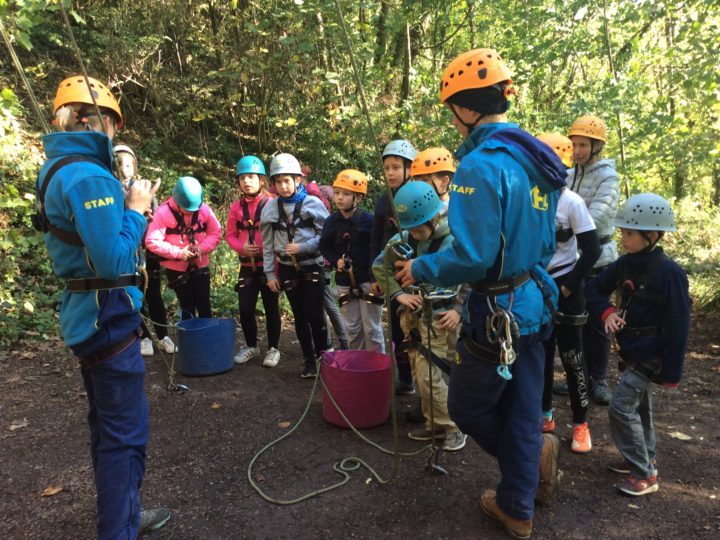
(361, 384)
(206, 346)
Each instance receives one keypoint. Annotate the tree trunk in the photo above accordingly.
(381, 33)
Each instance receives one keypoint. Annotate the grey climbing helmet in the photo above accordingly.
(400, 148)
(646, 212)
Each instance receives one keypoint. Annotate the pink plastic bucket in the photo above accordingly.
(361, 384)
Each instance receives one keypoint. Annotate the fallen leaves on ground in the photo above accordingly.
(19, 424)
(51, 490)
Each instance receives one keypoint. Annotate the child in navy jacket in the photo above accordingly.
(651, 325)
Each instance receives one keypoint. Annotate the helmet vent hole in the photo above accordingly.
(460, 72)
(482, 73)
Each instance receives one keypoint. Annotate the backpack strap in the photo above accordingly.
(39, 219)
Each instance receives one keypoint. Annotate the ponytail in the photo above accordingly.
(66, 118)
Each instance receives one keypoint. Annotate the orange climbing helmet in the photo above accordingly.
(75, 90)
(589, 126)
(352, 180)
(432, 160)
(478, 68)
(560, 144)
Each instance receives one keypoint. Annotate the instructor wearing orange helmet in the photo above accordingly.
(92, 232)
(502, 209)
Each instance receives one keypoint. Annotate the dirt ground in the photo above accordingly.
(202, 441)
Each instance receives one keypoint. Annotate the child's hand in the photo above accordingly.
(412, 301)
(251, 250)
(449, 320)
(614, 322)
(274, 285)
(376, 289)
(187, 253)
(341, 264)
(292, 249)
(565, 291)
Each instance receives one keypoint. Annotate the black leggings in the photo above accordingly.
(250, 283)
(153, 303)
(194, 294)
(306, 300)
(569, 342)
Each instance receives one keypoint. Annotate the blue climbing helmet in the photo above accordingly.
(250, 165)
(400, 148)
(646, 212)
(188, 193)
(416, 203)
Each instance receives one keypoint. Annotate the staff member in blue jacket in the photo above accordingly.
(502, 211)
(93, 231)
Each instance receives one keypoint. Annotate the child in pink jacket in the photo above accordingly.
(182, 233)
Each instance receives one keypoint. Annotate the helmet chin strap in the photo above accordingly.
(469, 126)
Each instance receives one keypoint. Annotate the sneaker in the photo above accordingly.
(561, 388)
(548, 424)
(272, 357)
(454, 441)
(548, 468)
(581, 443)
(423, 434)
(146, 347)
(309, 371)
(639, 486)
(601, 393)
(518, 528)
(167, 345)
(247, 353)
(404, 388)
(151, 520)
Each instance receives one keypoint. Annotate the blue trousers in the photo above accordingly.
(118, 420)
(503, 417)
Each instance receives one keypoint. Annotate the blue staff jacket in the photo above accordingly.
(502, 218)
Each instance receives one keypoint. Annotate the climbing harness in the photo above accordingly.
(630, 288)
(290, 225)
(250, 225)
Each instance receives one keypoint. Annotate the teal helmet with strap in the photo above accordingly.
(400, 148)
(416, 203)
(250, 165)
(188, 193)
(646, 212)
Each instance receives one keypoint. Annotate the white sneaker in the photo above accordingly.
(167, 345)
(454, 441)
(247, 353)
(272, 357)
(146, 348)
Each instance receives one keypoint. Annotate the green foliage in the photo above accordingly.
(202, 83)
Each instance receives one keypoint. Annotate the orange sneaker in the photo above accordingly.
(548, 425)
(581, 443)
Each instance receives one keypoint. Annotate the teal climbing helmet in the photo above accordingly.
(416, 203)
(250, 165)
(188, 193)
(646, 212)
(400, 148)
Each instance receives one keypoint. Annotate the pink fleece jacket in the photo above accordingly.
(236, 237)
(170, 246)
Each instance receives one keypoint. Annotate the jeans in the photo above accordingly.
(118, 420)
(631, 422)
(503, 417)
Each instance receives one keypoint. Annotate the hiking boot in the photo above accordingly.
(639, 486)
(548, 425)
(415, 415)
(423, 434)
(167, 345)
(309, 371)
(272, 357)
(548, 468)
(247, 353)
(581, 443)
(561, 388)
(404, 388)
(519, 528)
(601, 393)
(454, 441)
(146, 347)
(151, 520)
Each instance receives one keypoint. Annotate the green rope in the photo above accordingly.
(26, 82)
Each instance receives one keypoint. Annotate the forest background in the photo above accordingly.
(202, 83)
